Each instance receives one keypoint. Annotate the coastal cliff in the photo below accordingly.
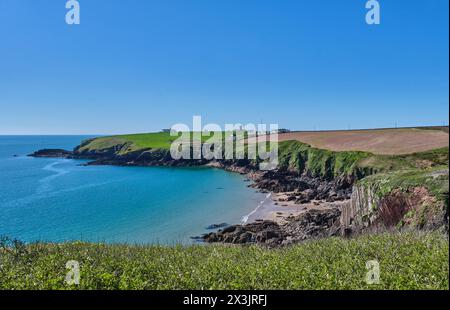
(346, 193)
(377, 203)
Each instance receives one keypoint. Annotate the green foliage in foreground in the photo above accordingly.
(407, 261)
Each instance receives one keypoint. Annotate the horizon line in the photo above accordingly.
(319, 130)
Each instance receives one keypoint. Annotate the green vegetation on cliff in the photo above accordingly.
(407, 261)
(405, 172)
(422, 160)
(294, 156)
(302, 158)
(435, 179)
(135, 142)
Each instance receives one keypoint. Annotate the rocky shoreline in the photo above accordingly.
(308, 207)
(311, 224)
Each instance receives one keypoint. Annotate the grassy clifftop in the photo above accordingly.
(407, 261)
(294, 156)
(135, 142)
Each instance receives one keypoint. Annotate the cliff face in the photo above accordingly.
(359, 212)
(368, 211)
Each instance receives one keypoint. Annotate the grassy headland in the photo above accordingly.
(134, 142)
(157, 140)
(294, 156)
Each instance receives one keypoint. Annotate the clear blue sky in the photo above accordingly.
(142, 65)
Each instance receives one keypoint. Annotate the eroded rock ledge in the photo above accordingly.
(312, 224)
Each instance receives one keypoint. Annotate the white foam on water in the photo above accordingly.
(46, 182)
(37, 196)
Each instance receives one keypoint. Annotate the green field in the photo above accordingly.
(406, 260)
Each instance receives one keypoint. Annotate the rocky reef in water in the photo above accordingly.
(53, 153)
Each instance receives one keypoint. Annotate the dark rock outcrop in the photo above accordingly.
(216, 226)
(305, 188)
(56, 153)
(312, 224)
(265, 232)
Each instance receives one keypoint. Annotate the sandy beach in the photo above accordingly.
(276, 207)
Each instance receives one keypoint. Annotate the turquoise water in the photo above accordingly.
(58, 199)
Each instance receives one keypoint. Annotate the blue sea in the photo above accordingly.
(47, 199)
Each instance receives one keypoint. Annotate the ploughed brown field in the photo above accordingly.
(377, 141)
